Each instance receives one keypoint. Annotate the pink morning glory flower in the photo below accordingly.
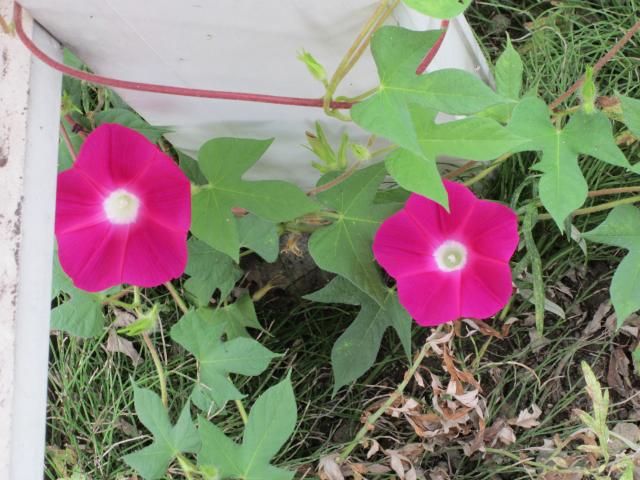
(122, 213)
(452, 264)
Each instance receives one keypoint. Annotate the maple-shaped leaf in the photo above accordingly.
(209, 270)
(472, 138)
(356, 349)
(562, 187)
(82, 314)
(621, 229)
(223, 161)
(168, 441)
(202, 337)
(236, 317)
(271, 422)
(259, 235)
(397, 52)
(344, 247)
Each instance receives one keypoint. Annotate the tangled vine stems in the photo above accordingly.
(371, 419)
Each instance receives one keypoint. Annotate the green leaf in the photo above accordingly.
(472, 138)
(191, 169)
(509, 69)
(169, 441)
(223, 161)
(563, 188)
(439, 8)
(356, 349)
(236, 317)
(65, 161)
(344, 247)
(259, 235)
(621, 229)
(271, 422)
(631, 113)
(210, 270)
(217, 359)
(80, 316)
(131, 120)
(397, 52)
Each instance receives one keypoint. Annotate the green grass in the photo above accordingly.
(91, 423)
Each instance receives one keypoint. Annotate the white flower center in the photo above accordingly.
(121, 207)
(450, 256)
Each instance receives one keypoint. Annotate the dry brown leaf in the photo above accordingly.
(328, 468)
(527, 418)
(116, 343)
(618, 373)
(629, 431)
(595, 324)
(482, 327)
(122, 319)
(375, 448)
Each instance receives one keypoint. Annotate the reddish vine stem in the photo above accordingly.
(433, 51)
(599, 64)
(75, 126)
(163, 89)
(67, 142)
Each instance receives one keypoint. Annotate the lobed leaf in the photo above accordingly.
(271, 422)
(223, 161)
(169, 441)
(210, 270)
(397, 52)
(562, 186)
(356, 349)
(621, 229)
(344, 247)
(201, 336)
(439, 8)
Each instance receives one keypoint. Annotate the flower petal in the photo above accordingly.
(93, 256)
(154, 254)
(402, 247)
(79, 203)
(485, 287)
(113, 155)
(462, 203)
(492, 231)
(431, 298)
(165, 193)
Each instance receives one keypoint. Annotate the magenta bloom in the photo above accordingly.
(453, 264)
(122, 213)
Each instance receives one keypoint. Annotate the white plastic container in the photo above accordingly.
(237, 45)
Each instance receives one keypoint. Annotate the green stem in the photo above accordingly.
(339, 179)
(353, 54)
(530, 219)
(242, 411)
(597, 208)
(495, 164)
(186, 466)
(613, 191)
(176, 297)
(358, 98)
(159, 369)
(371, 419)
